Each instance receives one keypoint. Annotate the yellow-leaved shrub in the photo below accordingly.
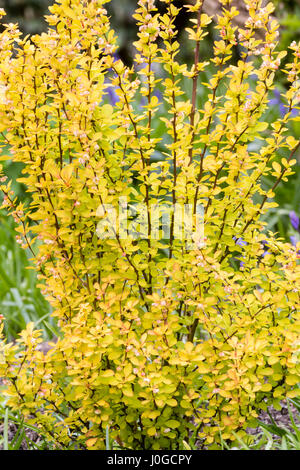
(160, 341)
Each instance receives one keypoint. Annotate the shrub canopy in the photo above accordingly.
(162, 341)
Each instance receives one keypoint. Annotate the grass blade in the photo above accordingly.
(5, 430)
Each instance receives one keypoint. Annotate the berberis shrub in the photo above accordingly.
(165, 339)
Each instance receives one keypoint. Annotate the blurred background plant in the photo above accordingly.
(21, 301)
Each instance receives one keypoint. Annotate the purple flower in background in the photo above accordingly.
(157, 93)
(116, 58)
(111, 90)
(277, 101)
(294, 112)
(293, 240)
(240, 241)
(294, 220)
(113, 97)
(266, 252)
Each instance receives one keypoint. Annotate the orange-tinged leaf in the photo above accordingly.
(91, 442)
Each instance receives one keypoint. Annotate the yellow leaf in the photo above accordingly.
(203, 369)
(292, 379)
(107, 373)
(276, 167)
(266, 387)
(91, 442)
(66, 172)
(151, 431)
(293, 393)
